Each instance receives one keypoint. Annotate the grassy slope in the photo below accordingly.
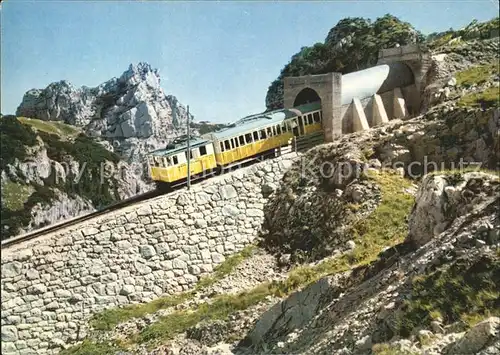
(14, 195)
(478, 75)
(60, 129)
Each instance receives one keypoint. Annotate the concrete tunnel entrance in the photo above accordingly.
(396, 81)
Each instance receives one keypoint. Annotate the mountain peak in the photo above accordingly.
(141, 72)
(131, 112)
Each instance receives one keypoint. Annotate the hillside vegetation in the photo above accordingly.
(352, 44)
(28, 146)
(63, 130)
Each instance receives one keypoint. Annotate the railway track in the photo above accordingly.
(116, 206)
(67, 223)
(113, 207)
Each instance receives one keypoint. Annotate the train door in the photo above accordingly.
(301, 125)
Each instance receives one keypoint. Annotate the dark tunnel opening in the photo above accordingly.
(306, 96)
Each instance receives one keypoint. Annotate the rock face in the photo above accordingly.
(50, 287)
(309, 213)
(477, 338)
(441, 198)
(131, 113)
(61, 208)
(296, 311)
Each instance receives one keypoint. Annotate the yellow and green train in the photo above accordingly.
(247, 139)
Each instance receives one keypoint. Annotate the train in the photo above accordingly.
(245, 140)
(262, 134)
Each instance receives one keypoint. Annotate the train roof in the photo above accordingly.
(180, 144)
(253, 122)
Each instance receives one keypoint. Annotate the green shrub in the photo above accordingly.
(365, 40)
(474, 30)
(14, 195)
(14, 138)
(13, 220)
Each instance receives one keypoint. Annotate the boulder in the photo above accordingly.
(441, 198)
(477, 338)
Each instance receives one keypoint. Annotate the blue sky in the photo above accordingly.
(218, 57)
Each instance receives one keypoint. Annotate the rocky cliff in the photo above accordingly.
(131, 114)
(51, 171)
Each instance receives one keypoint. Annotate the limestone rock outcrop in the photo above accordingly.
(440, 199)
(131, 113)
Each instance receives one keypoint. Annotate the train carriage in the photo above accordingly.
(170, 165)
(251, 136)
(309, 117)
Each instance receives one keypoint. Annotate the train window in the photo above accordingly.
(255, 136)
(175, 159)
(274, 130)
(270, 132)
(285, 127)
(310, 118)
(242, 140)
(203, 150)
(235, 142)
(221, 146)
(169, 161)
(300, 120)
(227, 145)
(263, 134)
(248, 138)
(278, 129)
(316, 117)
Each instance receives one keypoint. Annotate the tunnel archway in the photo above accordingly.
(305, 96)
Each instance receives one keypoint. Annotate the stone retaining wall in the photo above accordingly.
(52, 285)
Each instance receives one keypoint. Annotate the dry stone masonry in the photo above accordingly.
(51, 286)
